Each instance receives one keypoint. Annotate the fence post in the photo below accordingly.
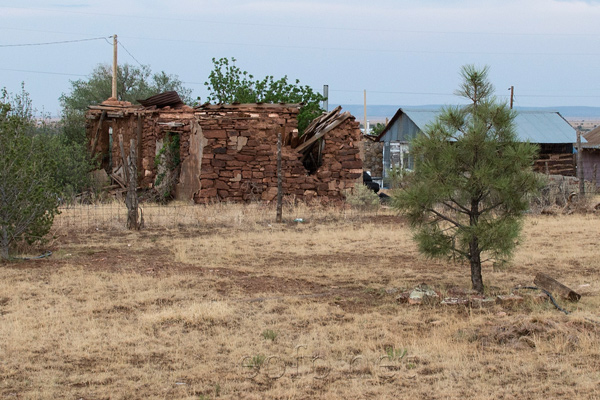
(279, 180)
(580, 166)
(131, 201)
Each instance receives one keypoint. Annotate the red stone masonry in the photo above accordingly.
(239, 149)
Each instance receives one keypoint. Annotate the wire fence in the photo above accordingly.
(113, 215)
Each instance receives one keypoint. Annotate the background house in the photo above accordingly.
(549, 130)
(590, 155)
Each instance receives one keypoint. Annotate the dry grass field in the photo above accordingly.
(231, 305)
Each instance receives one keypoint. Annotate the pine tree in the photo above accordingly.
(468, 193)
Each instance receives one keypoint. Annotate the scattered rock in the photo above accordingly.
(509, 300)
(423, 294)
(403, 297)
(455, 301)
(482, 302)
(460, 292)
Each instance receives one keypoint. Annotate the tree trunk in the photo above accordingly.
(4, 244)
(475, 259)
(474, 250)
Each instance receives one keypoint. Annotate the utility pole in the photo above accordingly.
(114, 68)
(365, 123)
(326, 95)
(580, 167)
(512, 96)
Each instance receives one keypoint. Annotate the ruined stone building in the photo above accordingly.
(228, 152)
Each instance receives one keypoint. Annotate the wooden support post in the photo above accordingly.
(580, 167)
(131, 201)
(551, 285)
(125, 172)
(139, 141)
(595, 178)
(279, 180)
(97, 136)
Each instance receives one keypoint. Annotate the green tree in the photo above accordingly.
(133, 83)
(69, 139)
(377, 129)
(28, 191)
(469, 189)
(227, 83)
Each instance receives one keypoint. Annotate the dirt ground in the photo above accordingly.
(241, 307)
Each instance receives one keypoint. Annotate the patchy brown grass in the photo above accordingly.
(188, 311)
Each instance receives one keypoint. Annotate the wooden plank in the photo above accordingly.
(304, 146)
(97, 135)
(125, 169)
(551, 285)
(119, 181)
(321, 120)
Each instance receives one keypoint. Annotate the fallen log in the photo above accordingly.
(553, 286)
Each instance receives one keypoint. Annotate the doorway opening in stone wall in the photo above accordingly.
(313, 159)
(167, 162)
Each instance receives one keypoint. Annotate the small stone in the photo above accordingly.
(510, 299)
(455, 301)
(482, 302)
(403, 297)
(423, 294)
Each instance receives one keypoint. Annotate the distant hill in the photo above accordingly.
(376, 112)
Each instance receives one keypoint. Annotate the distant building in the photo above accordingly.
(590, 155)
(549, 130)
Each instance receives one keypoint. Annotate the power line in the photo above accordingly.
(311, 27)
(123, 47)
(40, 72)
(48, 43)
(355, 50)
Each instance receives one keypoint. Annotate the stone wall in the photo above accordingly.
(373, 157)
(229, 152)
(239, 160)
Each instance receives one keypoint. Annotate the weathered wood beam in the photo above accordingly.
(97, 135)
(551, 285)
(304, 146)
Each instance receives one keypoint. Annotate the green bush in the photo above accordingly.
(363, 198)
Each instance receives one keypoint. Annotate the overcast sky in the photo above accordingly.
(402, 52)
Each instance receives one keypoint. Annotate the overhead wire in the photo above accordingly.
(312, 27)
(52, 43)
(40, 72)
(128, 52)
(198, 83)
